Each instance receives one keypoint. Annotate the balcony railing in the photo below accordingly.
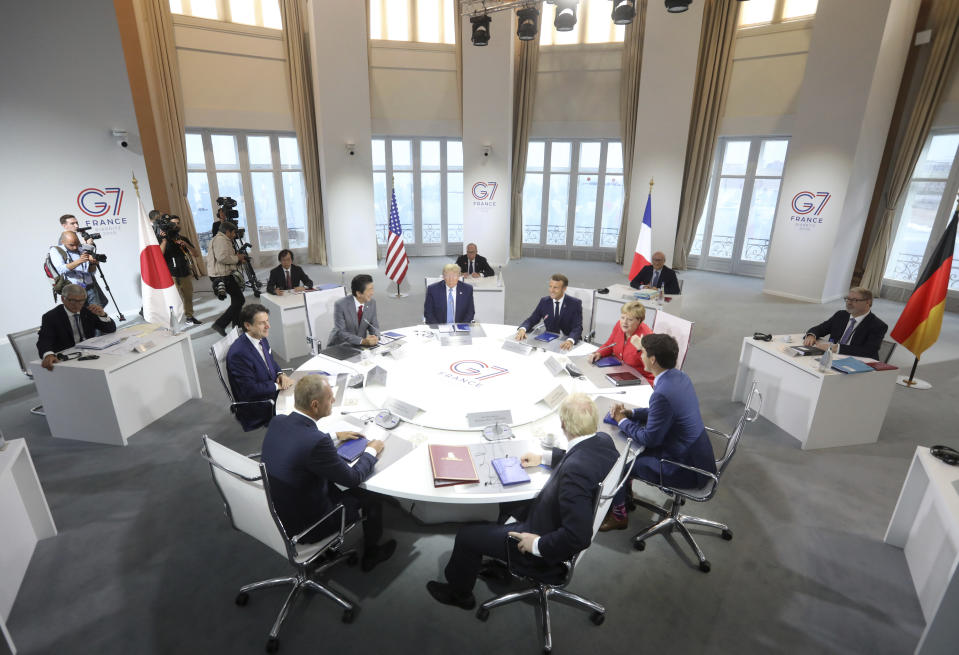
(582, 236)
(908, 267)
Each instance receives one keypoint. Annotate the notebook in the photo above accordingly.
(624, 379)
(452, 465)
(609, 360)
(851, 365)
(351, 449)
(510, 471)
(547, 336)
(805, 351)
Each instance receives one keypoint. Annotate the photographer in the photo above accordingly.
(222, 262)
(176, 250)
(78, 264)
(69, 223)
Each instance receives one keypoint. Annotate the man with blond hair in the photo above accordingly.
(449, 300)
(855, 331)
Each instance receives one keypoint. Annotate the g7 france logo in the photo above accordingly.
(90, 201)
(481, 370)
(481, 190)
(804, 202)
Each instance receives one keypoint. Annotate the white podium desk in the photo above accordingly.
(287, 324)
(820, 409)
(107, 400)
(489, 299)
(608, 306)
(24, 520)
(925, 524)
(446, 382)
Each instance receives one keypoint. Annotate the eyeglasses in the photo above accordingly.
(848, 299)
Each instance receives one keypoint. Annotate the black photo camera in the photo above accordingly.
(226, 206)
(87, 234)
(166, 225)
(87, 249)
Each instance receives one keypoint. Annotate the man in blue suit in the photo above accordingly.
(449, 301)
(671, 428)
(304, 469)
(254, 374)
(563, 314)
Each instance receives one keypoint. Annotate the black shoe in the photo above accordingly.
(494, 570)
(444, 593)
(194, 320)
(379, 554)
(219, 330)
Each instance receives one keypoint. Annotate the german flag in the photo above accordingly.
(918, 327)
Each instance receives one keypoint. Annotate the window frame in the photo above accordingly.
(583, 19)
(778, 19)
(413, 23)
(224, 13)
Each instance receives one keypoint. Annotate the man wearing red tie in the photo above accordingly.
(287, 276)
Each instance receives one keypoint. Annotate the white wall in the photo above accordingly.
(577, 92)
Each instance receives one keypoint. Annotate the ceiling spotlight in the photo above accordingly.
(527, 23)
(565, 15)
(480, 29)
(677, 6)
(623, 11)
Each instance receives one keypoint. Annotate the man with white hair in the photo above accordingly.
(552, 527)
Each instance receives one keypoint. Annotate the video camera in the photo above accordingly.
(91, 250)
(87, 234)
(166, 225)
(226, 205)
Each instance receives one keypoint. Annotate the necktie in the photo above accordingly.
(471, 267)
(266, 358)
(555, 309)
(848, 333)
(289, 282)
(450, 318)
(359, 316)
(656, 279)
(76, 320)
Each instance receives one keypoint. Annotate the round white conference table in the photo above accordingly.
(447, 378)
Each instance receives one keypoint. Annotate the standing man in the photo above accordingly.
(306, 474)
(856, 331)
(354, 317)
(69, 223)
(77, 266)
(287, 276)
(656, 276)
(473, 265)
(68, 324)
(222, 261)
(670, 428)
(449, 300)
(175, 248)
(254, 374)
(563, 314)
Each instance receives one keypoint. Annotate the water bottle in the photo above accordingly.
(172, 321)
(499, 276)
(825, 362)
(660, 299)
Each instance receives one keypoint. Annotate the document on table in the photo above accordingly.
(483, 456)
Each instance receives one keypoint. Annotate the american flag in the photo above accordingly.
(396, 262)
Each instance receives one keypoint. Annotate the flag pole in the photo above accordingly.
(651, 183)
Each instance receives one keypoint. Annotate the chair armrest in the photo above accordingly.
(254, 455)
(567, 564)
(339, 508)
(718, 433)
(251, 402)
(627, 470)
(205, 455)
(714, 477)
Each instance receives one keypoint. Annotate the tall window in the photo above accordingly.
(573, 194)
(262, 172)
(733, 233)
(929, 204)
(594, 24)
(426, 21)
(427, 175)
(265, 13)
(765, 12)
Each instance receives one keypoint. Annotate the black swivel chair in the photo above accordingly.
(218, 352)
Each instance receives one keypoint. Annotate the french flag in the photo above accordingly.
(644, 244)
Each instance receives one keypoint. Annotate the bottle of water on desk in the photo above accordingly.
(660, 297)
(499, 276)
(825, 360)
(172, 321)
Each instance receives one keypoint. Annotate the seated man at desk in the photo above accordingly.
(254, 374)
(656, 276)
(473, 265)
(68, 324)
(561, 313)
(625, 340)
(304, 470)
(354, 317)
(855, 331)
(670, 428)
(449, 300)
(552, 527)
(287, 276)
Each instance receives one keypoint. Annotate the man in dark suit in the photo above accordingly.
(474, 265)
(449, 300)
(254, 374)
(354, 317)
(304, 469)
(856, 331)
(563, 313)
(670, 428)
(68, 324)
(656, 276)
(287, 276)
(551, 528)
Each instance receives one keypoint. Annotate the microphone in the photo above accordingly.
(375, 331)
(541, 321)
(615, 343)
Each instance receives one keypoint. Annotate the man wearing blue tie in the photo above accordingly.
(561, 313)
(856, 331)
(449, 301)
(657, 275)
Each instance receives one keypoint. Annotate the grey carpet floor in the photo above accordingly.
(146, 562)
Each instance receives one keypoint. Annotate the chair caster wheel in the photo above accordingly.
(639, 545)
(727, 535)
(597, 618)
(272, 645)
(482, 614)
(348, 616)
(352, 559)
(704, 566)
(242, 599)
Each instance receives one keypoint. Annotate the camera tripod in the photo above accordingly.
(106, 287)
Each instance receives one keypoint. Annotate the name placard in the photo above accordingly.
(402, 409)
(482, 419)
(517, 347)
(340, 389)
(555, 397)
(553, 365)
(377, 375)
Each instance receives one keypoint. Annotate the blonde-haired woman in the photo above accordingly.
(624, 341)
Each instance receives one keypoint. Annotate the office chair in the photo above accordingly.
(886, 349)
(218, 352)
(20, 341)
(672, 518)
(587, 296)
(553, 582)
(245, 490)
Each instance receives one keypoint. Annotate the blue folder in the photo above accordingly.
(607, 361)
(547, 336)
(352, 448)
(851, 365)
(510, 471)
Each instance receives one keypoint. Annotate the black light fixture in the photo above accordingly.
(480, 29)
(565, 19)
(527, 23)
(624, 11)
(677, 6)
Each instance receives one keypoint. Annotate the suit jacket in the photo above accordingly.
(672, 428)
(303, 469)
(622, 348)
(667, 279)
(56, 334)
(434, 307)
(252, 379)
(278, 279)
(480, 265)
(865, 340)
(570, 321)
(346, 329)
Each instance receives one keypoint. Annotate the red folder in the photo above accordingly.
(452, 465)
(882, 366)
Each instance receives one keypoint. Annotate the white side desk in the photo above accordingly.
(489, 299)
(287, 324)
(123, 393)
(24, 520)
(822, 410)
(925, 524)
(608, 306)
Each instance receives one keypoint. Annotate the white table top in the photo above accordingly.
(485, 283)
(779, 348)
(289, 299)
(121, 354)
